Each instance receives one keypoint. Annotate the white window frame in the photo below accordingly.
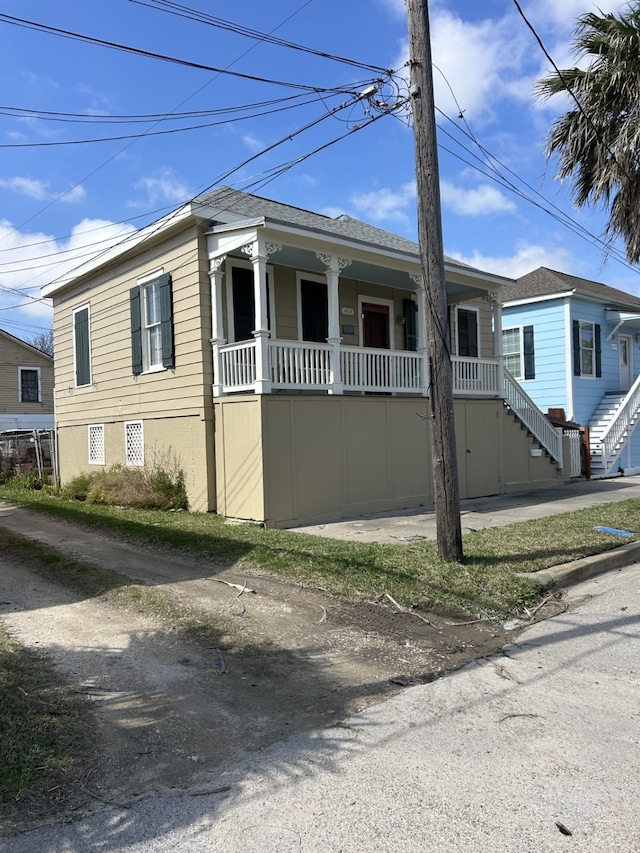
(95, 458)
(145, 282)
(131, 460)
(476, 311)
(583, 373)
(520, 329)
(31, 368)
(376, 300)
(228, 275)
(75, 311)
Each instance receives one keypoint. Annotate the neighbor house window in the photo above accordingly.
(467, 324)
(82, 346)
(518, 352)
(96, 444)
(587, 350)
(152, 324)
(134, 443)
(29, 383)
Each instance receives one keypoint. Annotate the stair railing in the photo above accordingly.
(611, 440)
(533, 418)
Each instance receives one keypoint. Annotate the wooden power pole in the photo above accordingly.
(443, 437)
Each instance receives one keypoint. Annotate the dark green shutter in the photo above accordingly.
(598, 351)
(467, 333)
(410, 314)
(576, 348)
(136, 331)
(166, 321)
(83, 358)
(529, 354)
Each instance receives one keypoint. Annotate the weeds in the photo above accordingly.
(158, 485)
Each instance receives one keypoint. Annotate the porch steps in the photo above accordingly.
(536, 441)
(598, 425)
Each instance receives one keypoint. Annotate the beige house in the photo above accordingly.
(279, 354)
(26, 385)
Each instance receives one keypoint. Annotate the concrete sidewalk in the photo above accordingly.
(479, 513)
(508, 754)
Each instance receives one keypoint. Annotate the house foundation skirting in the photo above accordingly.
(292, 459)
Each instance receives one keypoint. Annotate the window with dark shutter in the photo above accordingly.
(82, 346)
(467, 332)
(410, 314)
(529, 353)
(315, 310)
(152, 340)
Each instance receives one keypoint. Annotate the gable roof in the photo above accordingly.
(229, 200)
(546, 282)
(226, 206)
(12, 338)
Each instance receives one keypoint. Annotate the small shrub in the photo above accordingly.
(78, 487)
(150, 487)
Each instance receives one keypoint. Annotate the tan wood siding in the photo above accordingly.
(13, 355)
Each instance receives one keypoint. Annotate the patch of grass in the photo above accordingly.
(486, 583)
(47, 737)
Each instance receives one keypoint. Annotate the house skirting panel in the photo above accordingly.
(292, 459)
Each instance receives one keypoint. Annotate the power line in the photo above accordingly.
(150, 133)
(68, 34)
(220, 23)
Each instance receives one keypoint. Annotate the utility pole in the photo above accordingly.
(443, 437)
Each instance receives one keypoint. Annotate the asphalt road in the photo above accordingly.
(508, 754)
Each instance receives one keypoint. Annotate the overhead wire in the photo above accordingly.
(69, 34)
(239, 29)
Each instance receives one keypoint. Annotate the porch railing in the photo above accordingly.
(296, 364)
(533, 418)
(476, 376)
(238, 366)
(380, 370)
(302, 365)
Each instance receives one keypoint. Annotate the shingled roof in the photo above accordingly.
(546, 282)
(244, 204)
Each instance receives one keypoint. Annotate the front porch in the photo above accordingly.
(336, 369)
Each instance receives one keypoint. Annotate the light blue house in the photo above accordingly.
(574, 345)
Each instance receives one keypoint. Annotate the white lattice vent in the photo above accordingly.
(134, 440)
(96, 444)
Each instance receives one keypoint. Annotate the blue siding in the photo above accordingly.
(589, 391)
(549, 388)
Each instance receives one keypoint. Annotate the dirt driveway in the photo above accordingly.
(170, 709)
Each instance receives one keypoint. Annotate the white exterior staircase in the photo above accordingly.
(610, 429)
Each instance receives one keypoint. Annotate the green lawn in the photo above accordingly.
(487, 583)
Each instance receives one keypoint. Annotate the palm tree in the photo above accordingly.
(597, 142)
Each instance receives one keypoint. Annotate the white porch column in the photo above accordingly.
(334, 266)
(493, 298)
(259, 252)
(421, 344)
(216, 274)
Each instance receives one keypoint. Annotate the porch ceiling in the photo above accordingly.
(307, 261)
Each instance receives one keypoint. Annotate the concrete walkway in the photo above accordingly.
(410, 524)
(536, 750)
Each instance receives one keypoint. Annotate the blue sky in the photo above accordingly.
(59, 201)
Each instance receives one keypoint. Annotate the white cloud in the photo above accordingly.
(162, 187)
(526, 259)
(40, 191)
(252, 142)
(385, 205)
(29, 261)
(478, 201)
